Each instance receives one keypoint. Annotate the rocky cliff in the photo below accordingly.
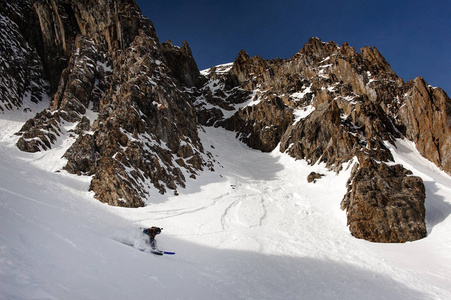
(132, 107)
(22, 76)
(115, 91)
(331, 104)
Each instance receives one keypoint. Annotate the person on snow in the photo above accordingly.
(152, 232)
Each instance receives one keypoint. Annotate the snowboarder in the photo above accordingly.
(152, 232)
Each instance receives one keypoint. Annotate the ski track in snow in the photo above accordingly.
(253, 229)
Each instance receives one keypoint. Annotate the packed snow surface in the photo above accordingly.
(219, 69)
(252, 229)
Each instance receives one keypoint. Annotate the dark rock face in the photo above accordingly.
(105, 59)
(385, 203)
(321, 137)
(58, 30)
(215, 101)
(182, 64)
(326, 136)
(427, 118)
(261, 126)
(141, 130)
(21, 69)
(74, 94)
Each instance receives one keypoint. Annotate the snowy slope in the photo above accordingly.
(253, 229)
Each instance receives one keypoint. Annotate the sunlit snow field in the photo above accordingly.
(252, 229)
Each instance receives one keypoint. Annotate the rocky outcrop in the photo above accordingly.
(313, 177)
(321, 137)
(385, 203)
(337, 105)
(261, 126)
(426, 115)
(120, 90)
(40, 132)
(181, 62)
(76, 88)
(76, 92)
(322, 72)
(145, 133)
(22, 76)
(217, 99)
(327, 136)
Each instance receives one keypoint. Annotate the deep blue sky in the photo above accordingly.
(414, 36)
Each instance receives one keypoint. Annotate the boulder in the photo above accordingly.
(385, 203)
(313, 177)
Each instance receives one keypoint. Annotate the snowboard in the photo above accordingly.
(153, 251)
